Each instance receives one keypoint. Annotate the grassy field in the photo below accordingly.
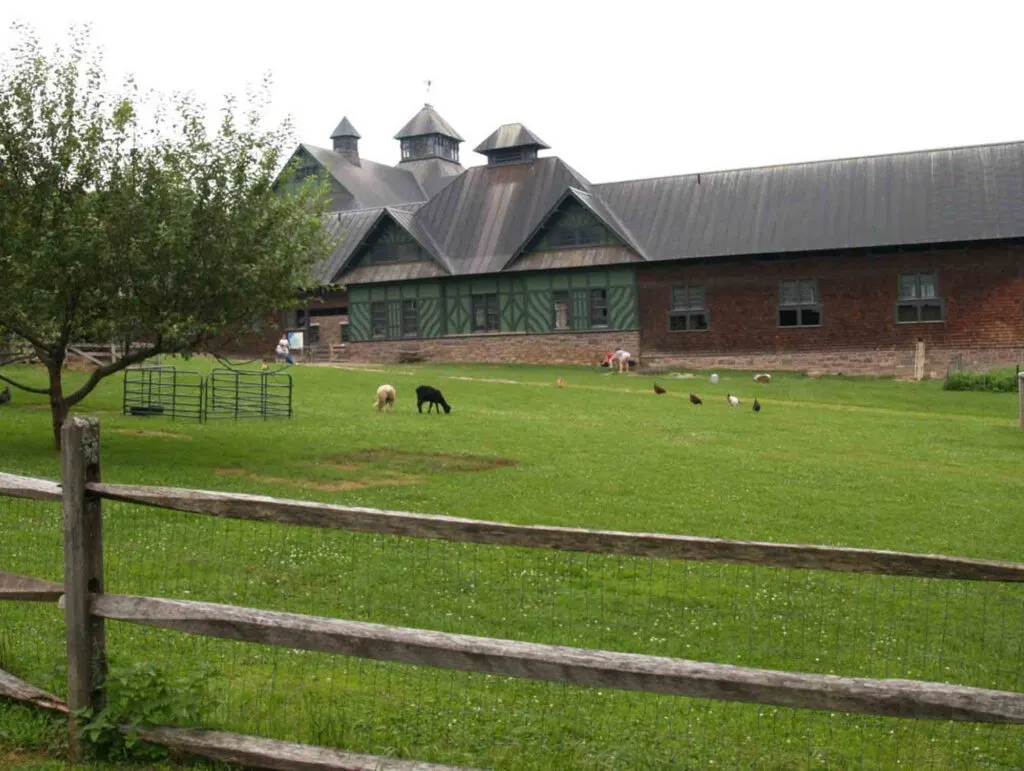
(853, 462)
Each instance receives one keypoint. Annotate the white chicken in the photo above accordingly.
(733, 401)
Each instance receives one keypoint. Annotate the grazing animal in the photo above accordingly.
(432, 395)
(733, 401)
(764, 377)
(5, 395)
(757, 405)
(386, 397)
(658, 389)
(560, 383)
(694, 399)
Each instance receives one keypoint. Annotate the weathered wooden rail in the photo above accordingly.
(86, 607)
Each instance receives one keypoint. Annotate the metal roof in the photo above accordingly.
(433, 174)
(508, 136)
(345, 129)
(371, 184)
(427, 121)
(484, 217)
(584, 257)
(925, 197)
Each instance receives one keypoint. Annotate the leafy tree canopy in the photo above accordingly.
(133, 221)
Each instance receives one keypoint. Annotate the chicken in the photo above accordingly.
(560, 383)
(733, 401)
(658, 389)
(694, 399)
(757, 405)
(5, 395)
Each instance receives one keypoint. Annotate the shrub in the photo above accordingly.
(1000, 380)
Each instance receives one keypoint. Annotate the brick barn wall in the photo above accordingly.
(510, 348)
(982, 285)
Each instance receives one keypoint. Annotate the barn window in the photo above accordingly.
(919, 299)
(343, 332)
(573, 227)
(393, 244)
(598, 307)
(799, 303)
(314, 334)
(689, 312)
(379, 319)
(486, 317)
(410, 318)
(562, 311)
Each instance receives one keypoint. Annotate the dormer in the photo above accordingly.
(428, 135)
(511, 143)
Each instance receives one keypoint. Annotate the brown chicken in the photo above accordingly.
(659, 390)
(694, 399)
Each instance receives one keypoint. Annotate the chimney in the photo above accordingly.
(346, 141)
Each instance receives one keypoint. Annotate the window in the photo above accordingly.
(314, 334)
(560, 303)
(501, 157)
(574, 226)
(343, 332)
(395, 245)
(799, 303)
(379, 319)
(919, 299)
(485, 313)
(410, 318)
(688, 314)
(598, 307)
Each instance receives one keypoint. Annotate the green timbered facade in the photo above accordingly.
(535, 303)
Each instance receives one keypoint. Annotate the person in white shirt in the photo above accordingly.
(620, 357)
(283, 350)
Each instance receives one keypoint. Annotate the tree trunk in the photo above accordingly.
(58, 405)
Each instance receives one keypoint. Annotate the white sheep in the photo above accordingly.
(385, 397)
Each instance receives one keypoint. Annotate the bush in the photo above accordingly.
(1000, 380)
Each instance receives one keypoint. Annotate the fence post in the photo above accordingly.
(1020, 393)
(83, 570)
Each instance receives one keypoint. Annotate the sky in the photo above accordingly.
(620, 90)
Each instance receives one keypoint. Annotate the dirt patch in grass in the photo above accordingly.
(315, 484)
(418, 462)
(150, 432)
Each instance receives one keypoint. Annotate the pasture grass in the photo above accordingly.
(860, 462)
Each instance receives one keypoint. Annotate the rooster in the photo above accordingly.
(5, 395)
(733, 401)
(560, 383)
(757, 405)
(694, 399)
(658, 389)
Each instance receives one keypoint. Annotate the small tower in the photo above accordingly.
(346, 141)
(511, 143)
(428, 135)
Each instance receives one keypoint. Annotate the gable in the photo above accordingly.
(572, 226)
(389, 244)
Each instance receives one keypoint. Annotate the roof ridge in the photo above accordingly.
(903, 153)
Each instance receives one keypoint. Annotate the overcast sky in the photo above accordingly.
(619, 90)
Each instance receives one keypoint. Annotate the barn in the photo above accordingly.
(904, 264)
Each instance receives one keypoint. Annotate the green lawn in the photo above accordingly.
(854, 462)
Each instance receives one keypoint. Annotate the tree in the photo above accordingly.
(156, 233)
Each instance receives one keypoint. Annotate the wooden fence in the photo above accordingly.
(86, 606)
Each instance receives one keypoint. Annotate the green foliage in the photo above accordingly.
(1000, 380)
(142, 696)
(126, 221)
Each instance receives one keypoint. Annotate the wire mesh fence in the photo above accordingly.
(32, 634)
(964, 632)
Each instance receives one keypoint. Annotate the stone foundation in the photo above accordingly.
(906, 361)
(575, 348)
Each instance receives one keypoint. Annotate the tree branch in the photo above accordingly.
(23, 387)
(109, 369)
(16, 359)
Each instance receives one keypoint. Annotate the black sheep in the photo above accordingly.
(430, 394)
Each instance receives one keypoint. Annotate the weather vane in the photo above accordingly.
(428, 84)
